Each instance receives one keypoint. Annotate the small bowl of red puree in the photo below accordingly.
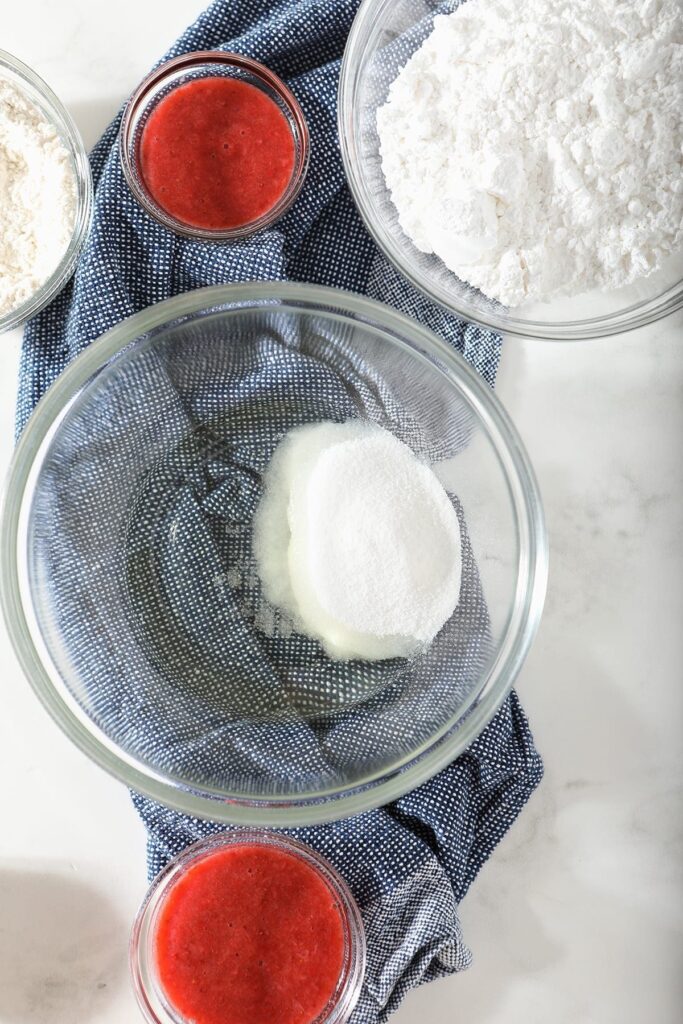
(214, 146)
(248, 927)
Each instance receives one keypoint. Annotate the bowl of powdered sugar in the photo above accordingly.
(272, 553)
(45, 193)
(521, 163)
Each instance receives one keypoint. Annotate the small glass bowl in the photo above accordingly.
(150, 996)
(40, 94)
(383, 37)
(187, 68)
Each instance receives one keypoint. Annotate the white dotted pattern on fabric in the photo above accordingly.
(408, 864)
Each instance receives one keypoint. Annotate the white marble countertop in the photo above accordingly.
(578, 916)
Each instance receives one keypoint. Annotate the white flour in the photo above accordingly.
(357, 541)
(37, 198)
(536, 146)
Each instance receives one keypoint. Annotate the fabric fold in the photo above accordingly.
(409, 864)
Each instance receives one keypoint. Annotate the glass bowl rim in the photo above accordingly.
(632, 317)
(61, 118)
(421, 764)
(155, 79)
(353, 971)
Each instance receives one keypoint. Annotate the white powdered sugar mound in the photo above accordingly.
(37, 198)
(535, 147)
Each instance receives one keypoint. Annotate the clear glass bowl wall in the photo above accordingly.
(40, 94)
(128, 579)
(384, 35)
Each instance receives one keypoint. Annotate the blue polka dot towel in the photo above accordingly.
(410, 863)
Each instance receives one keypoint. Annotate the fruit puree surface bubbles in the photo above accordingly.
(217, 153)
(249, 934)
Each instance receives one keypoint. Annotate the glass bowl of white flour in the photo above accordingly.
(45, 193)
(521, 163)
(272, 553)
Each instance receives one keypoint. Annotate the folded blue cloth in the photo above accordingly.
(409, 864)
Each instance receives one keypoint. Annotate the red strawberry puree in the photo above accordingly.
(217, 153)
(249, 934)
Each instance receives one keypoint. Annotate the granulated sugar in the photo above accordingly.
(357, 541)
(37, 198)
(536, 147)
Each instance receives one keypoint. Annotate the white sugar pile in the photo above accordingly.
(357, 541)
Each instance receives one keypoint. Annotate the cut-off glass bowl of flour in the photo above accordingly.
(521, 163)
(45, 193)
(272, 553)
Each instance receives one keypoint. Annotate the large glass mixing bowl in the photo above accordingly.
(128, 581)
(384, 35)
